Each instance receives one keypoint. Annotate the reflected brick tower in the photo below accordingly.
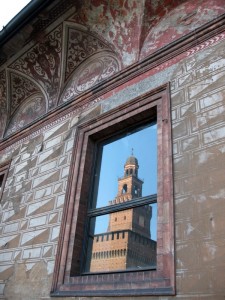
(127, 242)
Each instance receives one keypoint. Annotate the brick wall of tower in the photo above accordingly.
(122, 250)
(110, 252)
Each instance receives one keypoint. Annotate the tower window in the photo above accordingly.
(90, 199)
(124, 190)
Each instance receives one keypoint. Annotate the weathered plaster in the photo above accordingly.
(180, 21)
(33, 199)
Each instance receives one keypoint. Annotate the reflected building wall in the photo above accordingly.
(127, 243)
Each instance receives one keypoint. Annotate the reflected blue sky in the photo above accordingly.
(114, 156)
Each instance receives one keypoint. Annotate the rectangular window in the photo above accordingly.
(124, 205)
(3, 174)
(117, 230)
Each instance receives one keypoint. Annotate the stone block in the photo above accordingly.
(65, 172)
(206, 85)
(41, 207)
(56, 130)
(190, 143)
(209, 67)
(177, 98)
(21, 177)
(55, 233)
(32, 253)
(184, 80)
(6, 256)
(38, 221)
(49, 155)
(53, 218)
(188, 110)
(21, 167)
(215, 135)
(58, 188)
(6, 271)
(12, 215)
(60, 201)
(175, 148)
(11, 227)
(47, 251)
(9, 241)
(51, 177)
(42, 193)
(212, 100)
(48, 166)
(180, 129)
(69, 145)
(53, 142)
(39, 236)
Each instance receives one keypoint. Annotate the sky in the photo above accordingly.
(114, 156)
(10, 8)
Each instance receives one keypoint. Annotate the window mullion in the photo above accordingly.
(122, 206)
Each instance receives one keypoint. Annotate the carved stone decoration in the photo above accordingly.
(3, 103)
(20, 89)
(91, 72)
(42, 63)
(81, 45)
(33, 108)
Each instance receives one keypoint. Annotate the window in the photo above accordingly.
(107, 207)
(124, 188)
(93, 258)
(3, 174)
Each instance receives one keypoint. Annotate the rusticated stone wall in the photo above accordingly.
(32, 203)
(31, 209)
(33, 199)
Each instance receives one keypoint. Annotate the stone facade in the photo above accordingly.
(72, 63)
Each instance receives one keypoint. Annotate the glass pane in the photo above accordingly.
(127, 168)
(123, 240)
(1, 181)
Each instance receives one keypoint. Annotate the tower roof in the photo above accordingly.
(132, 160)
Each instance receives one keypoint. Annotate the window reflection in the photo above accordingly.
(140, 145)
(125, 239)
(126, 243)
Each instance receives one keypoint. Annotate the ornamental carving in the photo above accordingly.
(3, 103)
(32, 109)
(81, 45)
(42, 63)
(90, 73)
(20, 89)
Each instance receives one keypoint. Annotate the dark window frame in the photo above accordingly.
(4, 169)
(66, 281)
